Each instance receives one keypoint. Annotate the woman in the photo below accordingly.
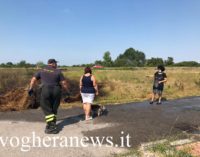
(88, 89)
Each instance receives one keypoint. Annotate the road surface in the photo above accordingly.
(126, 125)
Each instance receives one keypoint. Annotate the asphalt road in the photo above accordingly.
(140, 122)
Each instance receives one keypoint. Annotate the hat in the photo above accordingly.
(50, 61)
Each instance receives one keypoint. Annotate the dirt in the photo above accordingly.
(193, 148)
(17, 100)
(14, 100)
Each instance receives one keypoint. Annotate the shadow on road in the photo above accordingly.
(69, 120)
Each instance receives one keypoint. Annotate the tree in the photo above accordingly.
(9, 64)
(98, 62)
(40, 64)
(188, 64)
(3, 65)
(154, 62)
(169, 61)
(107, 60)
(131, 57)
(22, 63)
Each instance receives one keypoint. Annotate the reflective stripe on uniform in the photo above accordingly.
(49, 116)
(49, 120)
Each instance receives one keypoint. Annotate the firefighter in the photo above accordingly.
(52, 80)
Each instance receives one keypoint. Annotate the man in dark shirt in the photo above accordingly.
(52, 79)
(159, 79)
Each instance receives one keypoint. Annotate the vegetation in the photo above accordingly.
(117, 85)
(14, 78)
(187, 63)
(166, 150)
(21, 64)
(130, 58)
(154, 62)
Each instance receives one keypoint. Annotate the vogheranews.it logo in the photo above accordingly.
(25, 143)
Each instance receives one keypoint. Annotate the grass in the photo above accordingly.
(13, 78)
(166, 150)
(118, 85)
(161, 149)
(158, 149)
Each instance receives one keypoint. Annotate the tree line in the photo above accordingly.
(21, 64)
(136, 58)
(130, 58)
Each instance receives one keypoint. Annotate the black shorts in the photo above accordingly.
(158, 90)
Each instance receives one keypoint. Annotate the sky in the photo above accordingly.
(80, 31)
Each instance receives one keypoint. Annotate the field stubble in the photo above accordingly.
(116, 85)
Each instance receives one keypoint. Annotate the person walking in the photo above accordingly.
(88, 90)
(160, 78)
(52, 80)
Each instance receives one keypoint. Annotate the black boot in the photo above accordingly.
(151, 102)
(159, 103)
(51, 128)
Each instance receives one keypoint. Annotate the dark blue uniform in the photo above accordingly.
(51, 91)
